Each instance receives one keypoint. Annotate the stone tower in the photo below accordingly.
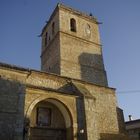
(32, 102)
(71, 46)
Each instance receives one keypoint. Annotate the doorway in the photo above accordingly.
(50, 120)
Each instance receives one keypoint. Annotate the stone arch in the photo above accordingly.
(62, 108)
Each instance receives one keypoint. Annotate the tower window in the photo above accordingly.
(73, 24)
(53, 28)
(46, 38)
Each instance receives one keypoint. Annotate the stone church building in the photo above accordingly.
(69, 99)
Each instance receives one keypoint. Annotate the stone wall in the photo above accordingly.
(48, 29)
(81, 60)
(50, 58)
(66, 14)
(50, 55)
(12, 94)
(20, 96)
(81, 54)
(73, 54)
(21, 89)
(100, 111)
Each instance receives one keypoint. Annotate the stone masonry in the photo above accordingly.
(70, 98)
(73, 54)
(21, 89)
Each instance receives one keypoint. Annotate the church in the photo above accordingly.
(69, 98)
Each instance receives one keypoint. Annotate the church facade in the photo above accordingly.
(69, 99)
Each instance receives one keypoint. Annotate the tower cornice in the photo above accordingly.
(71, 10)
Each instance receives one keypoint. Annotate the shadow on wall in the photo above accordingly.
(81, 118)
(80, 105)
(92, 68)
(121, 122)
(12, 97)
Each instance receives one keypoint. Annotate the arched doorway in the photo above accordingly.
(50, 120)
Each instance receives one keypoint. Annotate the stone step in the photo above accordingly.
(115, 137)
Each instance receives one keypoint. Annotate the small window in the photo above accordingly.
(53, 28)
(73, 24)
(46, 38)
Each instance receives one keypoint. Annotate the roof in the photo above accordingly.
(133, 121)
(76, 89)
(28, 70)
(83, 90)
(132, 125)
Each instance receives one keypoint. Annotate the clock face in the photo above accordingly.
(87, 30)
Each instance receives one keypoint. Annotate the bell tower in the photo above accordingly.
(71, 46)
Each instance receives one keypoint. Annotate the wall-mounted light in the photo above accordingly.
(82, 131)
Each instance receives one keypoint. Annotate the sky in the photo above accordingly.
(21, 21)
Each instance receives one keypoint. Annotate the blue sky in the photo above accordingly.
(21, 22)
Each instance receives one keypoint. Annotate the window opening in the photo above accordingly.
(73, 24)
(53, 28)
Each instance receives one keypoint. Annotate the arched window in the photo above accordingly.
(73, 24)
(53, 28)
(46, 38)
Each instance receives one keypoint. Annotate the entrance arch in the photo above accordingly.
(49, 119)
